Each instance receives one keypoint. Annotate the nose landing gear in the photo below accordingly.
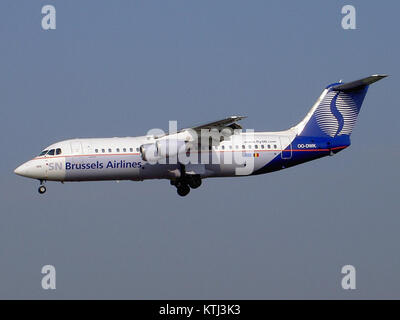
(42, 188)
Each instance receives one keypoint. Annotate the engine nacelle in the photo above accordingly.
(170, 147)
(152, 152)
(149, 152)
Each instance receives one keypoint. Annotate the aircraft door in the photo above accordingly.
(76, 147)
(286, 147)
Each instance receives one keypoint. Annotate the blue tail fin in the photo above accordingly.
(335, 112)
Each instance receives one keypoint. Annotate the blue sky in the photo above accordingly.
(120, 68)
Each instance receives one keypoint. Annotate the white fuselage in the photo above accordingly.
(120, 158)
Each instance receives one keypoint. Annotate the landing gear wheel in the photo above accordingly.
(183, 190)
(195, 182)
(42, 189)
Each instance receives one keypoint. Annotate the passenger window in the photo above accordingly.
(275, 146)
(255, 146)
(102, 150)
(269, 146)
(96, 150)
(110, 150)
(137, 149)
(130, 149)
(51, 152)
(58, 151)
(223, 147)
(117, 149)
(124, 149)
(249, 146)
(243, 147)
(237, 147)
(262, 146)
(230, 147)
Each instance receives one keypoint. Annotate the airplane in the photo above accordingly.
(216, 149)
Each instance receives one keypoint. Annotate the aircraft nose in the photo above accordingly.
(31, 169)
(20, 170)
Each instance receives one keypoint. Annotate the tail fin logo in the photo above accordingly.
(349, 111)
(337, 114)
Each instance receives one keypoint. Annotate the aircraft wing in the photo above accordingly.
(230, 122)
(221, 124)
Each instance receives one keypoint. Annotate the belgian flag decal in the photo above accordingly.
(256, 155)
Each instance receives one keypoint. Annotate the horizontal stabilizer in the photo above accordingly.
(354, 85)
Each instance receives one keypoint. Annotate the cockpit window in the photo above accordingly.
(43, 152)
(58, 151)
(51, 152)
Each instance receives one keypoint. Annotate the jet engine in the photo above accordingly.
(165, 148)
(170, 147)
(149, 152)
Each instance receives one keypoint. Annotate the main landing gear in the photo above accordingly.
(42, 188)
(183, 190)
(187, 182)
